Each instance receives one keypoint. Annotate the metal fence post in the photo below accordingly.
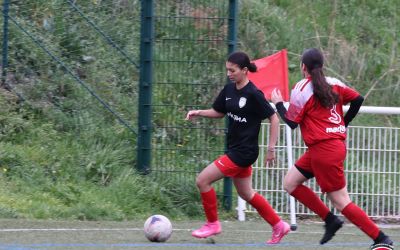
(232, 35)
(145, 86)
(6, 5)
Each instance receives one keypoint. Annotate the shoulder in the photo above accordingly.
(302, 91)
(228, 87)
(254, 90)
(340, 87)
(302, 88)
(251, 87)
(300, 85)
(334, 82)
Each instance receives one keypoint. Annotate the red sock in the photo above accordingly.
(310, 199)
(359, 218)
(209, 200)
(264, 209)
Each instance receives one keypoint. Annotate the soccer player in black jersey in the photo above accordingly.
(245, 106)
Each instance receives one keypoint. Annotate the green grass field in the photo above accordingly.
(27, 234)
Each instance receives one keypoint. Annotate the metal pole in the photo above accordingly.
(292, 202)
(145, 86)
(232, 37)
(6, 5)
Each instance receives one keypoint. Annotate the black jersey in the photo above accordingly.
(245, 109)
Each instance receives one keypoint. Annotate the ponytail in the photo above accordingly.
(252, 67)
(322, 89)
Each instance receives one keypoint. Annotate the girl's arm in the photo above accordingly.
(282, 113)
(210, 113)
(277, 99)
(273, 138)
(353, 110)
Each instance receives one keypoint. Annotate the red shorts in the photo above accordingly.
(325, 161)
(230, 169)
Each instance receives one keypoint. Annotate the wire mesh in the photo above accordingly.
(61, 51)
(98, 43)
(189, 53)
(371, 167)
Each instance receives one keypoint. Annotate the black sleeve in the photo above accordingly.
(353, 109)
(282, 111)
(219, 103)
(264, 109)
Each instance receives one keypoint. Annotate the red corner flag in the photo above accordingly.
(272, 72)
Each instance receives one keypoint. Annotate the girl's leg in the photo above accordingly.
(208, 196)
(245, 190)
(293, 184)
(357, 216)
(209, 200)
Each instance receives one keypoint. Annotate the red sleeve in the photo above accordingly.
(348, 94)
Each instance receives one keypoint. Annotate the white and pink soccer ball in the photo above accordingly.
(157, 228)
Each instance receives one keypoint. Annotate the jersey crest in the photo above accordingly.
(242, 102)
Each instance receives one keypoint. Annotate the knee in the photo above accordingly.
(340, 199)
(341, 204)
(202, 184)
(246, 195)
(289, 186)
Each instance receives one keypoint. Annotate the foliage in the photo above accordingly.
(62, 155)
(359, 39)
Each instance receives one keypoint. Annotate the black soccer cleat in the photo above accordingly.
(383, 239)
(331, 228)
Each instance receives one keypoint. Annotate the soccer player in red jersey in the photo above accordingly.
(245, 107)
(316, 104)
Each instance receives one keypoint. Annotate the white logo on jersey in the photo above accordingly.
(335, 117)
(340, 129)
(220, 162)
(227, 98)
(242, 102)
(236, 118)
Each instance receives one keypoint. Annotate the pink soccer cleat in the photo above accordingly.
(207, 230)
(278, 232)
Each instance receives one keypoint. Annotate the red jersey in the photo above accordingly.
(316, 122)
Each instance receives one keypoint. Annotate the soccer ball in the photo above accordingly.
(157, 228)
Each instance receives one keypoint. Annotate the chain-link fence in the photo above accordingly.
(190, 47)
(61, 49)
(92, 51)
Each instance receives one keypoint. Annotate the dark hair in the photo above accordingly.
(242, 60)
(314, 61)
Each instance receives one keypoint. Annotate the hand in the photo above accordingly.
(270, 157)
(191, 114)
(276, 96)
